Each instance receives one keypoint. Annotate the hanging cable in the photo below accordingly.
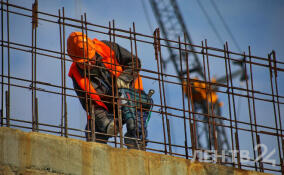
(147, 16)
(210, 22)
(225, 24)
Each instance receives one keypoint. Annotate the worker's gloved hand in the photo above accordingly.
(122, 83)
(124, 80)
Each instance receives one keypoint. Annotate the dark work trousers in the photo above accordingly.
(102, 117)
(102, 120)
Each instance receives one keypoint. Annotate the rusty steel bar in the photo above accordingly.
(64, 76)
(190, 104)
(139, 85)
(183, 104)
(221, 85)
(253, 104)
(278, 107)
(155, 111)
(274, 105)
(2, 64)
(116, 93)
(157, 50)
(250, 115)
(229, 100)
(211, 101)
(259, 153)
(209, 116)
(92, 107)
(32, 85)
(87, 92)
(36, 113)
(163, 91)
(234, 109)
(9, 69)
(146, 36)
(282, 161)
(237, 126)
(133, 69)
(169, 135)
(62, 72)
(7, 108)
(91, 116)
(35, 78)
(113, 84)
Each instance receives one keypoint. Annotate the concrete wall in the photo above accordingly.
(37, 153)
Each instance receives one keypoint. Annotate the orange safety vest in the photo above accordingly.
(110, 62)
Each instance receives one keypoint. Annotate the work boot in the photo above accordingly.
(110, 128)
(131, 141)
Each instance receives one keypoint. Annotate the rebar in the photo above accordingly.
(187, 111)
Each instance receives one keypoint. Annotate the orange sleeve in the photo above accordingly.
(85, 85)
(108, 55)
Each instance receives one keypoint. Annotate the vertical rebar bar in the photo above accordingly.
(207, 116)
(139, 85)
(64, 76)
(163, 90)
(211, 102)
(34, 64)
(133, 73)
(249, 111)
(61, 70)
(35, 79)
(229, 101)
(253, 99)
(234, 107)
(7, 109)
(259, 153)
(116, 89)
(113, 93)
(92, 108)
(273, 102)
(87, 93)
(157, 50)
(278, 106)
(169, 135)
(192, 124)
(9, 73)
(2, 64)
(183, 104)
(36, 113)
(32, 84)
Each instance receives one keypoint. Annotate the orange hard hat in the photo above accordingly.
(78, 45)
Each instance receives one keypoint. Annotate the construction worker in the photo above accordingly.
(97, 68)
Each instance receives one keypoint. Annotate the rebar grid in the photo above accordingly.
(185, 115)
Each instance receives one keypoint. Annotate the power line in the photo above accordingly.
(210, 22)
(147, 16)
(225, 24)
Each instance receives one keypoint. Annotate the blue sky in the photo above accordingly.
(258, 23)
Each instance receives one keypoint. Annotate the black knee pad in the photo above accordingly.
(102, 120)
(130, 124)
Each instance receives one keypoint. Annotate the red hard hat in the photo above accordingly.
(78, 45)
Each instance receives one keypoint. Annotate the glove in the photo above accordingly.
(124, 80)
(122, 83)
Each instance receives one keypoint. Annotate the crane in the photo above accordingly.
(170, 20)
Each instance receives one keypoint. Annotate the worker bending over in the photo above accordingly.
(98, 68)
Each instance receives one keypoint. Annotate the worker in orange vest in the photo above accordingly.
(110, 65)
